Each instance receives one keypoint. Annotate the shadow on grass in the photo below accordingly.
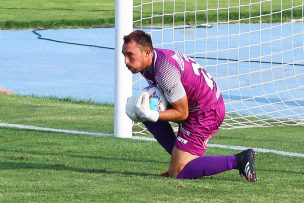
(61, 167)
(80, 156)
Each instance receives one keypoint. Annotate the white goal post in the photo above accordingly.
(123, 77)
(253, 48)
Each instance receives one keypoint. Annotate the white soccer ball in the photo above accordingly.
(157, 99)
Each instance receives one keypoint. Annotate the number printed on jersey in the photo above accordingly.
(198, 70)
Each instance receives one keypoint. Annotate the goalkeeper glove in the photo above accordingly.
(143, 110)
(130, 108)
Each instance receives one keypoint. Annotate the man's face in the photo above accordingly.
(135, 57)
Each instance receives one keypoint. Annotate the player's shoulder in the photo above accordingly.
(164, 56)
(164, 52)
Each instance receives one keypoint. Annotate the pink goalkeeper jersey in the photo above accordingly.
(178, 75)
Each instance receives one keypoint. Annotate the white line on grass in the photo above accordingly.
(29, 127)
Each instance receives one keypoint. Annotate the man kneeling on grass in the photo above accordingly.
(196, 104)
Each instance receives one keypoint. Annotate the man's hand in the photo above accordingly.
(130, 108)
(143, 110)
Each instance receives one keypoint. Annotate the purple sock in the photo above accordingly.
(207, 166)
(163, 133)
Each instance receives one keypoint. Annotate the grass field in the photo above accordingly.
(20, 14)
(54, 167)
(37, 166)
(55, 113)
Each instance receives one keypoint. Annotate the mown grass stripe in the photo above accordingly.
(29, 127)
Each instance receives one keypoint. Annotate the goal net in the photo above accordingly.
(254, 50)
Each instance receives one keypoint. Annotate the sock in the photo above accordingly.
(207, 166)
(163, 133)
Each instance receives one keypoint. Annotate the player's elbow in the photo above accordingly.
(181, 108)
(184, 115)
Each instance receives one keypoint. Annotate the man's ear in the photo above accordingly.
(148, 52)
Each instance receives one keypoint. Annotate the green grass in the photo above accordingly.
(54, 167)
(56, 113)
(20, 14)
(251, 11)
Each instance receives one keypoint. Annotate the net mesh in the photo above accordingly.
(253, 49)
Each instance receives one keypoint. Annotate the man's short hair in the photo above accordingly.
(140, 37)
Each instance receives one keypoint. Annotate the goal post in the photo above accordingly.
(123, 77)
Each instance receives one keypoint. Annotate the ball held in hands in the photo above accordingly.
(146, 105)
(157, 100)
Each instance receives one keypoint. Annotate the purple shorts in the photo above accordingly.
(200, 126)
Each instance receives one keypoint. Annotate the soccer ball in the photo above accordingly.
(157, 99)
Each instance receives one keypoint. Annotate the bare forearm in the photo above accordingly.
(172, 115)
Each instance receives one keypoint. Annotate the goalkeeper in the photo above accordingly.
(196, 104)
